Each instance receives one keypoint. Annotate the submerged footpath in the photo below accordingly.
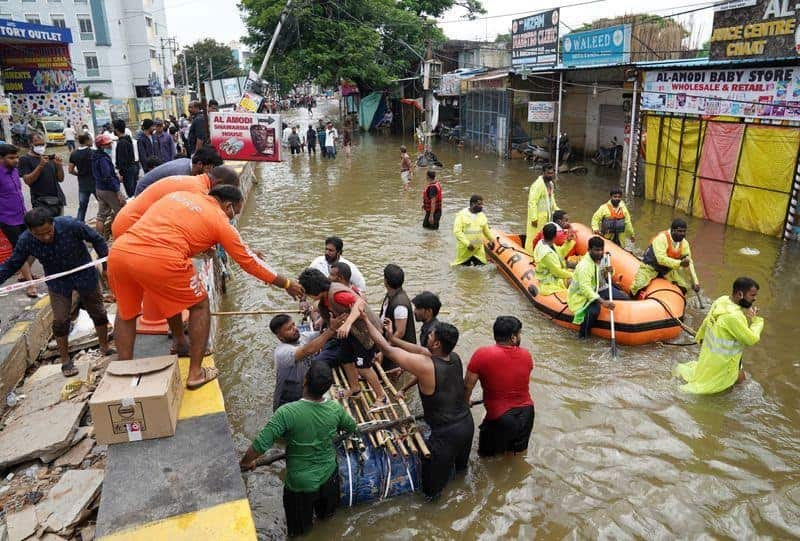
(59, 483)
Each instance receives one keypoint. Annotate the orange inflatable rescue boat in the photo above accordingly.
(636, 321)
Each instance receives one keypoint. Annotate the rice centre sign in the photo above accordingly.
(755, 29)
(772, 93)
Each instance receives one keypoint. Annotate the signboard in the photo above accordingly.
(144, 105)
(101, 112)
(542, 111)
(159, 104)
(772, 93)
(230, 90)
(451, 83)
(599, 47)
(246, 136)
(119, 109)
(755, 29)
(534, 39)
(37, 69)
(250, 102)
(37, 32)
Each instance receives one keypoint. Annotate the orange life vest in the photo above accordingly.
(432, 204)
(616, 212)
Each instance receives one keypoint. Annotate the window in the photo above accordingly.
(53, 1)
(92, 67)
(58, 20)
(148, 21)
(32, 18)
(153, 54)
(85, 25)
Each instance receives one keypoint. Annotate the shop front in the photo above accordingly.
(38, 82)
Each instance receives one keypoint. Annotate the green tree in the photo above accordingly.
(220, 57)
(370, 42)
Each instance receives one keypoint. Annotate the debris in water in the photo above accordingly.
(749, 251)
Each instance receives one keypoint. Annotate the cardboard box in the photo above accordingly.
(137, 400)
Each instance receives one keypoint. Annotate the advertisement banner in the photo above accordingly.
(451, 84)
(245, 136)
(230, 90)
(754, 93)
(30, 31)
(37, 69)
(101, 112)
(144, 105)
(755, 29)
(250, 102)
(119, 109)
(542, 111)
(534, 39)
(599, 47)
(159, 104)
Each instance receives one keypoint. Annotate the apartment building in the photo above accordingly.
(118, 45)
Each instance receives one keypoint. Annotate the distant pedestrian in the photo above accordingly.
(69, 136)
(126, 162)
(432, 202)
(146, 145)
(80, 165)
(107, 185)
(294, 141)
(198, 132)
(164, 142)
(321, 139)
(331, 135)
(213, 106)
(347, 142)
(311, 140)
(405, 167)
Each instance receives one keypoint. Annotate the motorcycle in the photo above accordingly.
(565, 157)
(609, 156)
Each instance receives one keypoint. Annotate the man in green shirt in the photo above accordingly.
(308, 426)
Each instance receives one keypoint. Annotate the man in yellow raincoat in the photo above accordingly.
(669, 257)
(588, 290)
(470, 228)
(541, 204)
(613, 220)
(551, 269)
(731, 324)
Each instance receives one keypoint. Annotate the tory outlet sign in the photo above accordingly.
(34, 32)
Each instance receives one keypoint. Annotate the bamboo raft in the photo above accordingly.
(382, 463)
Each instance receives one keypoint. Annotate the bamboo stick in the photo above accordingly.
(382, 415)
(346, 406)
(382, 439)
(417, 436)
(338, 378)
(401, 433)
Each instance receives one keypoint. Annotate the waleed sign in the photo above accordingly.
(755, 29)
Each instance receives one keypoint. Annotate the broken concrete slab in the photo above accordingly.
(81, 433)
(45, 391)
(52, 537)
(43, 432)
(22, 525)
(68, 500)
(75, 456)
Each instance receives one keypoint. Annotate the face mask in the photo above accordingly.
(107, 151)
(39, 149)
(596, 257)
(476, 209)
(615, 203)
(744, 303)
(678, 237)
(548, 178)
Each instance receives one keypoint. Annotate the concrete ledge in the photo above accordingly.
(21, 344)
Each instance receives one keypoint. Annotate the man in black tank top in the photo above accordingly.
(440, 377)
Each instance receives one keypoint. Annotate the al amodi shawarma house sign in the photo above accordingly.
(756, 29)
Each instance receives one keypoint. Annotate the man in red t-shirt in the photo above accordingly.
(504, 371)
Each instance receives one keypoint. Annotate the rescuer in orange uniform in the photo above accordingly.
(136, 207)
(154, 257)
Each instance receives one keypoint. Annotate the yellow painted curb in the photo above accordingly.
(203, 401)
(14, 333)
(227, 521)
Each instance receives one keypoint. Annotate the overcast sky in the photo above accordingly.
(191, 20)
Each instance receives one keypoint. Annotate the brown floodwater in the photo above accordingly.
(617, 451)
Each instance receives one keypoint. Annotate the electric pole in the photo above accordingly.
(427, 73)
(197, 74)
(210, 70)
(171, 45)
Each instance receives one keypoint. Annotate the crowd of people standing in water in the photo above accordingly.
(183, 211)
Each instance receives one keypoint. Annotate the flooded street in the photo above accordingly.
(617, 450)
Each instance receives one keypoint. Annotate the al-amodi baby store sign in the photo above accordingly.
(772, 93)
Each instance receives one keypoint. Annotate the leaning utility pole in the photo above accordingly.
(210, 70)
(428, 96)
(197, 74)
(274, 40)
